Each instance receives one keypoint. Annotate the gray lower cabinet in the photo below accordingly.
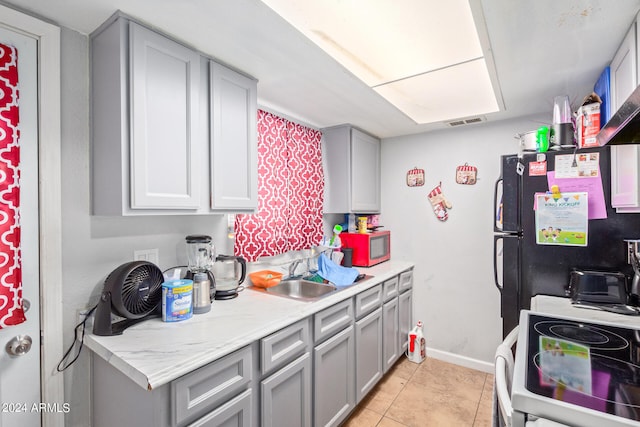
(367, 301)
(286, 395)
(280, 348)
(334, 379)
(368, 353)
(286, 369)
(390, 333)
(217, 394)
(405, 281)
(332, 320)
(310, 373)
(390, 289)
(200, 391)
(405, 309)
(234, 413)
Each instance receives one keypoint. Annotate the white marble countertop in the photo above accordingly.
(562, 307)
(153, 353)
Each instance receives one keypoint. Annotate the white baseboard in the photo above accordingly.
(456, 359)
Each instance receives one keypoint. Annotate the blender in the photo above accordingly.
(201, 256)
(561, 135)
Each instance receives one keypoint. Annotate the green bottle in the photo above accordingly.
(542, 139)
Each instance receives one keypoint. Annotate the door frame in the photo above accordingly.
(50, 235)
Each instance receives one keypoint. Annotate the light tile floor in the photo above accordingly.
(431, 394)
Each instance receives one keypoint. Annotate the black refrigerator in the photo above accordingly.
(523, 268)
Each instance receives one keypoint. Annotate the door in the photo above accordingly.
(20, 375)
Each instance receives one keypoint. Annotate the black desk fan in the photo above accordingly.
(132, 291)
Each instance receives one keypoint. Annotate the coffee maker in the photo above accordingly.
(201, 256)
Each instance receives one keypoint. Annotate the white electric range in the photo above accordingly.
(577, 371)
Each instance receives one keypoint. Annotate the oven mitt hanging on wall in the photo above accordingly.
(439, 203)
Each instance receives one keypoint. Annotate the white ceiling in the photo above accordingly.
(540, 48)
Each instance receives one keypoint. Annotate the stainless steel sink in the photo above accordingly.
(302, 289)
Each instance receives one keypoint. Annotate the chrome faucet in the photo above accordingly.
(292, 267)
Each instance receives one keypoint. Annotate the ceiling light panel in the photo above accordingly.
(384, 41)
(460, 91)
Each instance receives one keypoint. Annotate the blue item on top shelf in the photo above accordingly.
(603, 89)
(334, 273)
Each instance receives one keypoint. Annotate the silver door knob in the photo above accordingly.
(19, 345)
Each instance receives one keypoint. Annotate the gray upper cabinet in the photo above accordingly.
(234, 149)
(145, 91)
(624, 70)
(625, 159)
(172, 131)
(352, 171)
(164, 79)
(365, 172)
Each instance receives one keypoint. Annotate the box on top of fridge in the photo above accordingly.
(588, 121)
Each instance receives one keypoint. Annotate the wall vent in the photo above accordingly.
(468, 121)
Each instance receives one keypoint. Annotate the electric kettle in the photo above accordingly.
(229, 272)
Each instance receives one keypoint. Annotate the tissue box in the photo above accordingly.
(588, 125)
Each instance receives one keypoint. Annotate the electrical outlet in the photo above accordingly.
(81, 315)
(150, 255)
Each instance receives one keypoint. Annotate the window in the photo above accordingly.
(290, 191)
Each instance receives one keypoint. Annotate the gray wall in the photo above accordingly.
(94, 246)
(454, 293)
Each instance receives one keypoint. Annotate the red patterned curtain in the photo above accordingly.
(290, 191)
(11, 312)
